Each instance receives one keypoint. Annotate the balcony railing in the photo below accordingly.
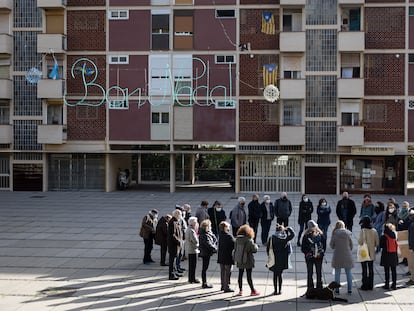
(6, 134)
(292, 135)
(6, 89)
(48, 88)
(6, 5)
(51, 42)
(294, 41)
(51, 134)
(350, 135)
(51, 4)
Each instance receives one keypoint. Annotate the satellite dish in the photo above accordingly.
(33, 75)
(271, 93)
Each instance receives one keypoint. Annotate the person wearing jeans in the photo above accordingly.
(341, 243)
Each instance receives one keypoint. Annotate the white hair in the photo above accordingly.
(192, 220)
(242, 199)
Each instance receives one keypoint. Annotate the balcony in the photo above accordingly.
(51, 4)
(6, 44)
(6, 134)
(351, 88)
(6, 5)
(48, 88)
(350, 135)
(349, 41)
(51, 134)
(292, 88)
(292, 2)
(292, 135)
(51, 42)
(294, 41)
(6, 89)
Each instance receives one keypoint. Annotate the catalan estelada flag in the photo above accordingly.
(269, 74)
(268, 23)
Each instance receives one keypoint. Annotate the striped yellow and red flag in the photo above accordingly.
(268, 23)
(269, 74)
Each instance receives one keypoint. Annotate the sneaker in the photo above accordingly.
(254, 293)
(240, 293)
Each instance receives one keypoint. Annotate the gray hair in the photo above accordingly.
(192, 220)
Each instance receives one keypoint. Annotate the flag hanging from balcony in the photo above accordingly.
(268, 23)
(54, 73)
(269, 74)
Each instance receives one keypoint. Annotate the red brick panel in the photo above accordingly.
(410, 79)
(411, 32)
(76, 86)
(123, 34)
(259, 1)
(411, 125)
(211, 124)
(385, 28)
(390, 126)
(254, 123)
(86, 30)
(86, 122)
(384, 74)
(131, 124)
(85, 2)
(251, 26)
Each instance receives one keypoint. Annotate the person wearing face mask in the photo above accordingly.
(268, 214)
(391, 214)
(324, 217)
(147, 232)
(238, 215)
(305, 214)
(217, 215)
(283, 209)
(346, 210)
(403, 216)
(378, 221)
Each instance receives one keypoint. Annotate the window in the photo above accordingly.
(411, 58)
(225, 104)
(118, 59)
(292, 67)
(118, 14)
(411, 11)
(292, 113)
(350, 112)
(292, 20)
(54, 114)
(351, 19)
(160, 118)
(4, 112)
(160, 30)
(183, 29)
(225, 59)
(375, 113)
(350, 65)
(225, 13)
(182, 72)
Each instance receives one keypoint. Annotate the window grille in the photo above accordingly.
(27, 14)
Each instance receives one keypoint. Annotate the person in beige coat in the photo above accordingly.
(370, 236)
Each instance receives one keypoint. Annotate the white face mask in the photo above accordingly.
(391, 210)
(305, 199)
(267, 201)
(324, 204)
(218, 209)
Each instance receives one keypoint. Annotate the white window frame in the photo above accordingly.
(226, 61)
(225, 104)
(160, 114)
(116, 14)
(118, 59)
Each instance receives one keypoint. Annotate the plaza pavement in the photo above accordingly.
(81, 251)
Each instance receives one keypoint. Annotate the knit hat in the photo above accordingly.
(242, 199)
(312, 224)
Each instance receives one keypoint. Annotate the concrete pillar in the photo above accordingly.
(237, 174)
(192, 169)
(172, 173)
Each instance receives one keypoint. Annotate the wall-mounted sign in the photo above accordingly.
(373, 150)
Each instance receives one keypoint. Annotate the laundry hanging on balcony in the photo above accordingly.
(54, 73)
(268, 23)
(269, 74)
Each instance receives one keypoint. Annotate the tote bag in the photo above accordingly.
(271, 257)
(362, 251)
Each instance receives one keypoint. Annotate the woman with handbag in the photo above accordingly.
(369, 236)
(341, 243)
(389, 255)
(279, 245)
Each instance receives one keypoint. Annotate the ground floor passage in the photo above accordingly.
(249, 173)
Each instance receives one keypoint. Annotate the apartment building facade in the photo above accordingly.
(311, 96)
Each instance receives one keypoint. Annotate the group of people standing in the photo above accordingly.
(209, 231)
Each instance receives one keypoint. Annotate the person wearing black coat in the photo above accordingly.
(346, 210)
(254, 214)
(225, 255)
(217, 215)
(161, 233)
(174, 242)
(389, 255)
(208, 246)
(268, 214)
(305, 214)
(280, 242)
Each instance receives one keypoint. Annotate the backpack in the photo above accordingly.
(392, 244)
